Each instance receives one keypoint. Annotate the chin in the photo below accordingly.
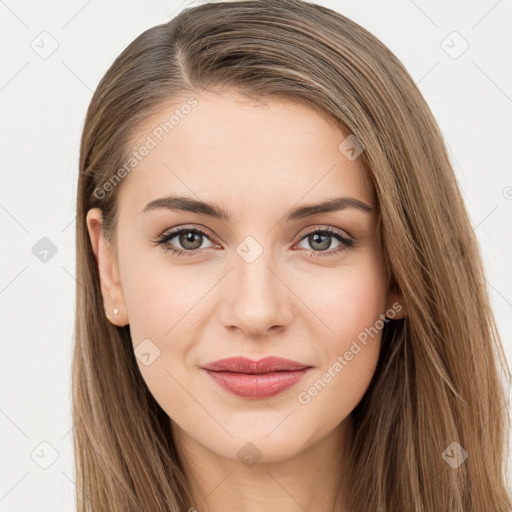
(253, 445)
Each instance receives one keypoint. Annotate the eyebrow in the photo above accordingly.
(194, 206)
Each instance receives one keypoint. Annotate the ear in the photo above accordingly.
(395, 306)
(106, 259)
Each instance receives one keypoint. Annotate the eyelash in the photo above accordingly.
(345, 243)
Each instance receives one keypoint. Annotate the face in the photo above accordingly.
(309, 287)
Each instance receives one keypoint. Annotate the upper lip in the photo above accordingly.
(250, 366)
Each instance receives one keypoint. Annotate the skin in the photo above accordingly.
(256, 161)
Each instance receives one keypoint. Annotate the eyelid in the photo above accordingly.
(195, 227)
(198, 227)
(325, 227)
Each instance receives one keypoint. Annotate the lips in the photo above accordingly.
(256, 379)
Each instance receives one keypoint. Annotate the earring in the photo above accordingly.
(109, 315)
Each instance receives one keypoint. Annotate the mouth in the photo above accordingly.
(256, 380)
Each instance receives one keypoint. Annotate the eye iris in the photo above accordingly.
(189, 240)
(324, 240)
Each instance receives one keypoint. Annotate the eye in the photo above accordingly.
(190, 239)
(321, 239)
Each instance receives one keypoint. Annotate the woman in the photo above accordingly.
(282, 303)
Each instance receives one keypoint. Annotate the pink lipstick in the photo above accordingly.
(256, 379)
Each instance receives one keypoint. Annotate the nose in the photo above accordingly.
(257, 300)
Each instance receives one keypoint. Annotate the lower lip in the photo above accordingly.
(257, 386)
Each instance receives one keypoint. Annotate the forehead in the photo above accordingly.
(228, 146)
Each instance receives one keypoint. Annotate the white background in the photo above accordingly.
(43, 104)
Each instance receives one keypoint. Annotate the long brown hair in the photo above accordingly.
(438, 391)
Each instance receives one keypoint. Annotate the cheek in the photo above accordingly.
(348, 300)
(159, 301)
(165, 304)
(160, 297)
(351, 307)
(332, 393)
